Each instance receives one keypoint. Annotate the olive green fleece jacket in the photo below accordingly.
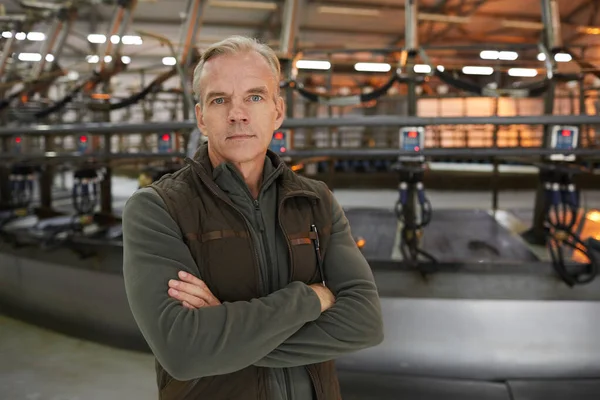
(282, 331)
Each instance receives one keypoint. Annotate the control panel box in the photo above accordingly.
(412, 139)
(564, 138)
(281, 141)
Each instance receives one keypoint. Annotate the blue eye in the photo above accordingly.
(256, 97)
(219, 100)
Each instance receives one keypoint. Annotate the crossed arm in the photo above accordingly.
(283, 329)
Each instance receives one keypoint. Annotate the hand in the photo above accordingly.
(325, 296)
(192, 292)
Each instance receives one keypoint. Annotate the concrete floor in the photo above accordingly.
(36, 364)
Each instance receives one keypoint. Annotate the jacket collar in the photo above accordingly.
(289, 183)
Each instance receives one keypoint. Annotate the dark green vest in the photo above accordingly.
(216, 233)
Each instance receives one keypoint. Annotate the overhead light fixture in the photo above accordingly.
(49, 57)
(372, 67)
(248, 5)
(523, 72)
(562, 57)
(169, 61)
(115, 39)
(470, 70)
(92, 59)
(132, 39)
(20, 36)
(96, 38)
(36, 36)
(508, 55)
(313, 64)
(499, 55)
(489, 55)
(107, 59)
(422, 69)
(30, 57)
(441, 68)
(558, 57)
(125, 59)
(359, 12)
(6, 34)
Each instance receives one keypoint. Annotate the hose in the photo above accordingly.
(561, 211)
(411, 229)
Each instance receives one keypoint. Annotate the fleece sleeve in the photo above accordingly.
(208, 341)
(353, 323)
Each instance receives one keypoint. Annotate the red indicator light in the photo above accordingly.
(566, 132)
(412, 134)
(279, 135)
(417, 148)
(166, 137)
(83, 139)
(282, 150)
(18, 140)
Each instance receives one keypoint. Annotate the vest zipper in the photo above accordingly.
(263, 234)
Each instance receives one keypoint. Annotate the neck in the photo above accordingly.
(251, 171)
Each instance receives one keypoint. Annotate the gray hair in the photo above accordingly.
(234, 45)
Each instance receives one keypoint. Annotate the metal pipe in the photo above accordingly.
(289, 28)
(193, 20)
(338, 153)
(551, 24)
(120, 23)
(411, 15)
(6, 53)
(377, 120)
(48, 45)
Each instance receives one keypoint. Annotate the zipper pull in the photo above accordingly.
(317, 246)
(258, 214)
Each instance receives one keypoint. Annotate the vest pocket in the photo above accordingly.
(304, 258)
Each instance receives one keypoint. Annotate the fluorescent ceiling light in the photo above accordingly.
(125, 59)
(498, 55)
(372, 67)
(312, 64)
(115, 39)
(359, 12)
(489, 55)
(478, 70)
(107, 59)
(441, 68)
(92, 59)
(49, 57)
(558, 57)
(20, 36)
(562, 57)
(6, 34)
(508, 55)
(36, 36)
(248, 5)
(169, 61)
(422, 68)
(96, 38)
(523, 72)
(30, 57)
(130, 39)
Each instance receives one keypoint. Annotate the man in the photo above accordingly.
(222, 259)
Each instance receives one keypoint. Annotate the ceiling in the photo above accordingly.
(328, 29)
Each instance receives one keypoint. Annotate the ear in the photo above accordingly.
(200, 118)
(279, 112)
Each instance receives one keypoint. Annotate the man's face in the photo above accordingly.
(239, 110)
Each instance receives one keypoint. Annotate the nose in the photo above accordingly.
(237, 114)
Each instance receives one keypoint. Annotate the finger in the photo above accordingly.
(188, 305)
(187, 277)
(184, 297)
(193, 290)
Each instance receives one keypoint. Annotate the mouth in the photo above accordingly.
(238, 137)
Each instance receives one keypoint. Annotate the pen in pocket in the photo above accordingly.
(317, 246)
